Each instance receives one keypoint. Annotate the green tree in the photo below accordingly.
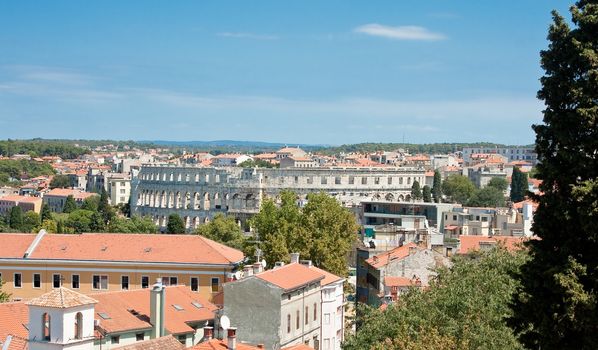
(518, 185)
(427, 194)
(15, 218)
(46, 214)
(91, 203)
(175, 224)
(49, 225)
(60, 181)
(437, 187)
(4, 297)
(465, 306)
(557, 308)
(458, 188)
(31, 220)
(500, 183)
(104, 207)
(488, 196)
(136, 224)
(69, 205)
(224, 229)
(323, 231)
(80, 220)
(416, 191)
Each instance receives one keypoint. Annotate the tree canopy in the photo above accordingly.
(322, 231)
(60, 181)
(518, 185)
(224, 229)
(557, 307)
(69, 204)
(427, 194)
(437, 187)
(458, 188)
(175, 224)
(416, 191)
(465, 307)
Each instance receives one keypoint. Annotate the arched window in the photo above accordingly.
(79, 326)
(46, 326)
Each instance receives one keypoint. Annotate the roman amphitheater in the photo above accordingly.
(199, 193)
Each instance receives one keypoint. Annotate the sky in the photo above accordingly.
(312, 71)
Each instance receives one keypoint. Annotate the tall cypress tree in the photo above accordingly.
(557, 307)
(69, 205)
(437, 187)
(46, 214)
(518, 185)
(416, 191)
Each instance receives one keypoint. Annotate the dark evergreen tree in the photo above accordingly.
(175, 224)
(427, 194)
(60, 181)
(69, 205)
(104, 207)
(557, 307)
(46, 214)
(437, 187)
(518, 185)
(416, 191)
(15, 218)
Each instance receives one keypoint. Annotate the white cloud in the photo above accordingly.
(242, 35)
(399, 33)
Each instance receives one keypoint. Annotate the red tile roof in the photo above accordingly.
(117, 305)
(192, 249)
(61, 298)
(328, 277)
(17, 343)
(163, 343)
(217, 344)
(13, 319)
(396, 253)
(298, 347)
(472, 243)
(291, 276)
(394, 281)
(65, 192)
(14, 245)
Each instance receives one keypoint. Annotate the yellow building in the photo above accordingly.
(31, 265)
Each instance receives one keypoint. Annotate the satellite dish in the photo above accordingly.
(238, 275)
(224, 322)
(264, 263)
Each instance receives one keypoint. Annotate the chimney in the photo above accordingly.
(294, 258)
(260, 346)
(208, 333)
(247, 271)
(257, 268)
(157, 300)
(232, 338)
(278, 264)
(306, 263)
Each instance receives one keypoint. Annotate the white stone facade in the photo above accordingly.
(198, 193)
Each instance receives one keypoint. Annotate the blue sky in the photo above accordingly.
(326, 72)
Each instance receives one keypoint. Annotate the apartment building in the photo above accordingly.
(489, 221)
(295, 304)
(26, 203)
(119, 189)
(56, 198)
(31, 265)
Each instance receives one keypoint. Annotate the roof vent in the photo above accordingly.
(104, 315)
(177, 307)
(104, 248)
(147, 250)
(196, 304)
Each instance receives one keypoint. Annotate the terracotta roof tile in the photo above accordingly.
(14, 245)
(17, 343)
(217, 344)
(471, 243)
(13, 318)
(298, 347)
(192, 249)
(395, 281)
(62, 298)
(163, 343)
(396, 253)
(328, 277)
(291, 276)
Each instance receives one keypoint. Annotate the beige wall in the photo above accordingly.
(113, 271)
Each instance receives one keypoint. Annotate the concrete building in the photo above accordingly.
(118, 188)
(512, 153)
(290, 152)
(296, 304)
(444, 160)
(298, 162)
(31, 265)
(489, 221)
(198, 193)
(26, 203)
(229, 159)
(411, 215)
(56, 198)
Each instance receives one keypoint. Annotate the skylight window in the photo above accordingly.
(177, 307)
(196, 304)
(104, 315)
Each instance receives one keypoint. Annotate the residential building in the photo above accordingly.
(8, 191)
(512, 153)
(229, 159)
(468, 244)
(118, 188)
(298, 162)
(295, 303)
(31, 264)
(489, 221)
(414, 215)
(26, 203)
(290, 152)
(56, 198)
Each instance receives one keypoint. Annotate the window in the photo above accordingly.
(75, 281)
(376, 180)
(326, 344)
(337, 180)
(323, 180)
(37, 280)
(174, 281)
(79, 326)
(296, 179)
(144, 282)
(288, 323)
(326, 318)
(18, 280)
(182, 339)
(364, 180)
(46, 326)
(215, 284)
(351, 180)
(297, 320)
(390, 180)
(140, 336)
(310, 180)
(100, 282)
(124, 282)
(194, 284)
(115, 339)
(122, 191)
(56, 280)
(306, 316)
(315, 312)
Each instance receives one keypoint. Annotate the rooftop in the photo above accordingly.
(473, 243)
(62, 298)
(167, 342)
(397, 253)
(291, 276)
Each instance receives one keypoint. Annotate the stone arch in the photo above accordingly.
(408, 198)
(196, 201)
(171, 177)
(170, 201)
(401, 198)
(195, 223)
(162, 222)
(217, 201)
(177, 200)
(163, 199)
(178, 177)
(250, 201)
(389, 197)
(236, 201)
(206, 201)
(187, 221)
(187, 177)
(206, 220)
(196, 178)
(187, 201)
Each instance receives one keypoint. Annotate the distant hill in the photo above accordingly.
(230, 143)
